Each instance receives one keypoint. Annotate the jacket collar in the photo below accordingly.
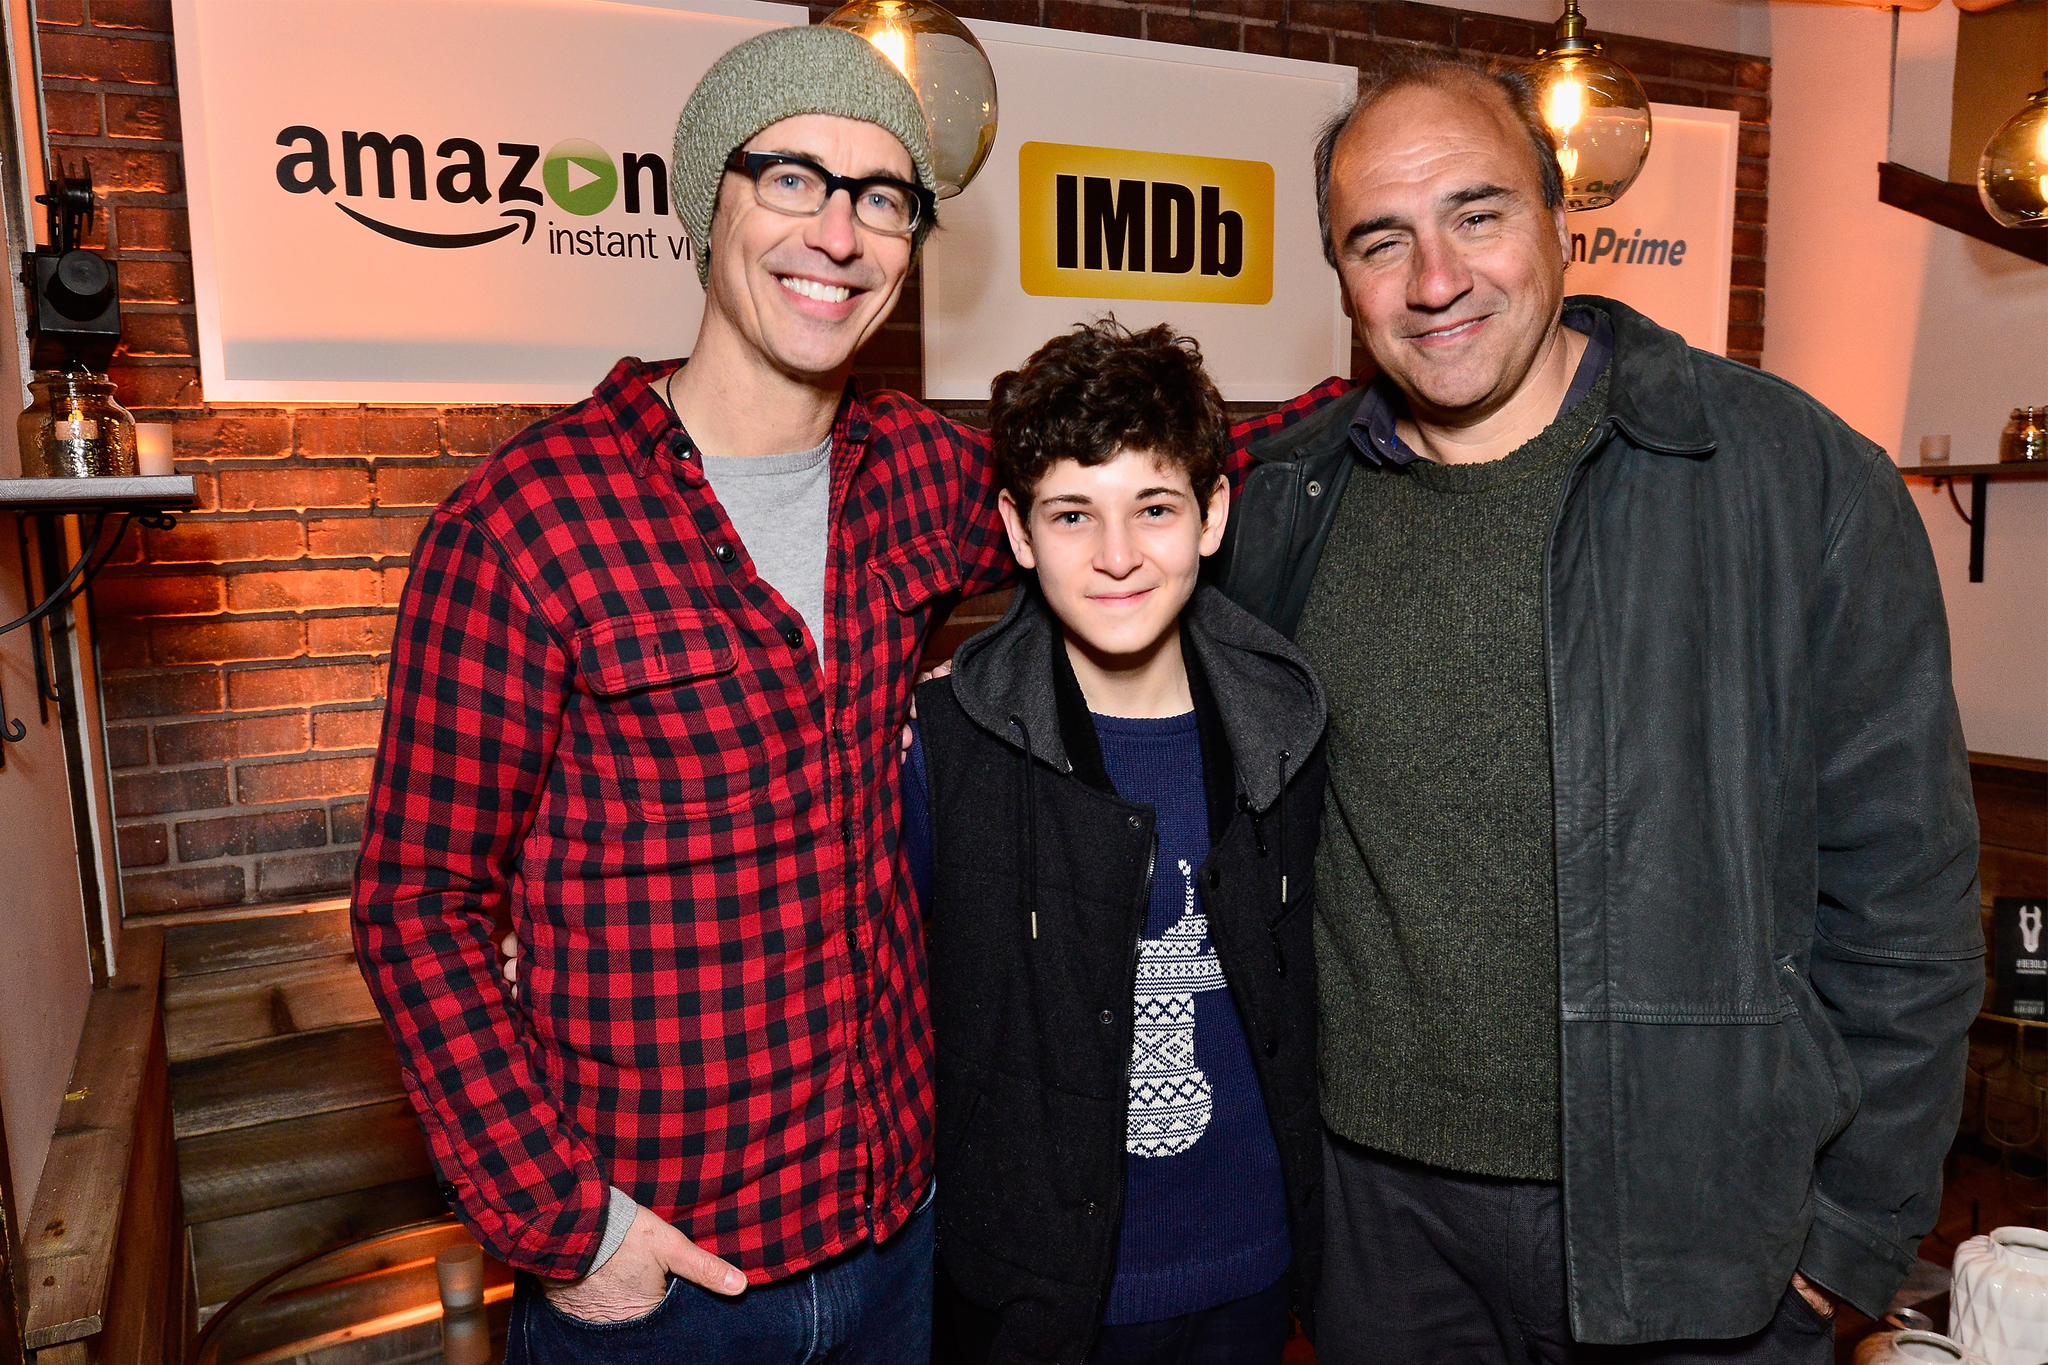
(1653, 396)
(1267, 699)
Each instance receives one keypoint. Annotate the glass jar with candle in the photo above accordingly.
(2025, 436)
(74, 429)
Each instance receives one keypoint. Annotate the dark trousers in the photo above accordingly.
(869, 1307)
(1423, 1265)
(1247, 1331)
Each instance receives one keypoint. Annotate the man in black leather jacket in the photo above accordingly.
(1648, 930)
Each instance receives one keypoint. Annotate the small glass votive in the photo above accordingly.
(1934, 450)
(460, 1270)
(153, 449)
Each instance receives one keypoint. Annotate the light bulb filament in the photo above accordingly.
(894, 43)
(1566, 105)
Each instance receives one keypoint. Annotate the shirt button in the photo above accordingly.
(723, 554)
(1215, 878)
(1091, 1208)
(1137, 822)
(1108, 1018)
(1272, 1047)
(794, 637)
(448, 1190)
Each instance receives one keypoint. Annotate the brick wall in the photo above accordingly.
(244, 652)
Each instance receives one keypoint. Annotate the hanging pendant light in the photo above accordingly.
(2012, 175)
(946, 66)
(1597, 114)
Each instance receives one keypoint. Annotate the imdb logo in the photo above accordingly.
(1099, 222)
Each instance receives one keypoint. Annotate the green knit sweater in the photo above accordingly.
(1436, 940)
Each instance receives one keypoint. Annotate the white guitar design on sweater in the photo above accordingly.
(1171, 1101)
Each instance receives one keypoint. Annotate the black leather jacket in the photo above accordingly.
(1768, 921)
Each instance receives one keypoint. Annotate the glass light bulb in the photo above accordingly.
(2012, 175)
(1599, 118)
(946, 66)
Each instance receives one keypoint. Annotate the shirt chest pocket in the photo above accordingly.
(917, 573)
(674, 732)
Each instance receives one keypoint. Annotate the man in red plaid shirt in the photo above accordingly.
(665, 750)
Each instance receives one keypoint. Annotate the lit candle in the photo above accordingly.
(153, 449)
(460, 1269)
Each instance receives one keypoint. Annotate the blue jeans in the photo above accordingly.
(869, 1307)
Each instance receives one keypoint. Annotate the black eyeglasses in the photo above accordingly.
(800, 188)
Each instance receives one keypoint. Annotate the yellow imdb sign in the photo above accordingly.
(1104, 223)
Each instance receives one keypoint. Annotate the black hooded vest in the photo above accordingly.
(1040, 883)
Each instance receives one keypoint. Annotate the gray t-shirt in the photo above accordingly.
(781, 505)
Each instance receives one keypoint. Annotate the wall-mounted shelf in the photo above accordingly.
(1955, 207)
(156, 493)
(152, 499)
(1980, 477)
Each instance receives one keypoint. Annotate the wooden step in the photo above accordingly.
(246, 1170)
(285, 1078)
(195, 949)
(221, 1009)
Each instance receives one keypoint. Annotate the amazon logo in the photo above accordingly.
(579, 176)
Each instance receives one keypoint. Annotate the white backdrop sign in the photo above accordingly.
(1163, 183)
(1667, 246)
(450, 201)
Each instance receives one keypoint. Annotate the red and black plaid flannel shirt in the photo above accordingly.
(605, 727)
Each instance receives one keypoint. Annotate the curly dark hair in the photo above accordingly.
(1102, 389)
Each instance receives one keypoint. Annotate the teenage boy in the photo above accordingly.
(1125, 782)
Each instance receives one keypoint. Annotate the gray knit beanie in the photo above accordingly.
(777, 75)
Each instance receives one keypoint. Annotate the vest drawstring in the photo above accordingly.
(1280, 842)
(1281, 802)
(1030, 824)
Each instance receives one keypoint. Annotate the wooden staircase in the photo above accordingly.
(293, 1131)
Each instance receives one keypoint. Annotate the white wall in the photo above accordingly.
(1905, 328)
(45, 975)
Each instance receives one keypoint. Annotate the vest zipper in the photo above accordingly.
(1116, 1203)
